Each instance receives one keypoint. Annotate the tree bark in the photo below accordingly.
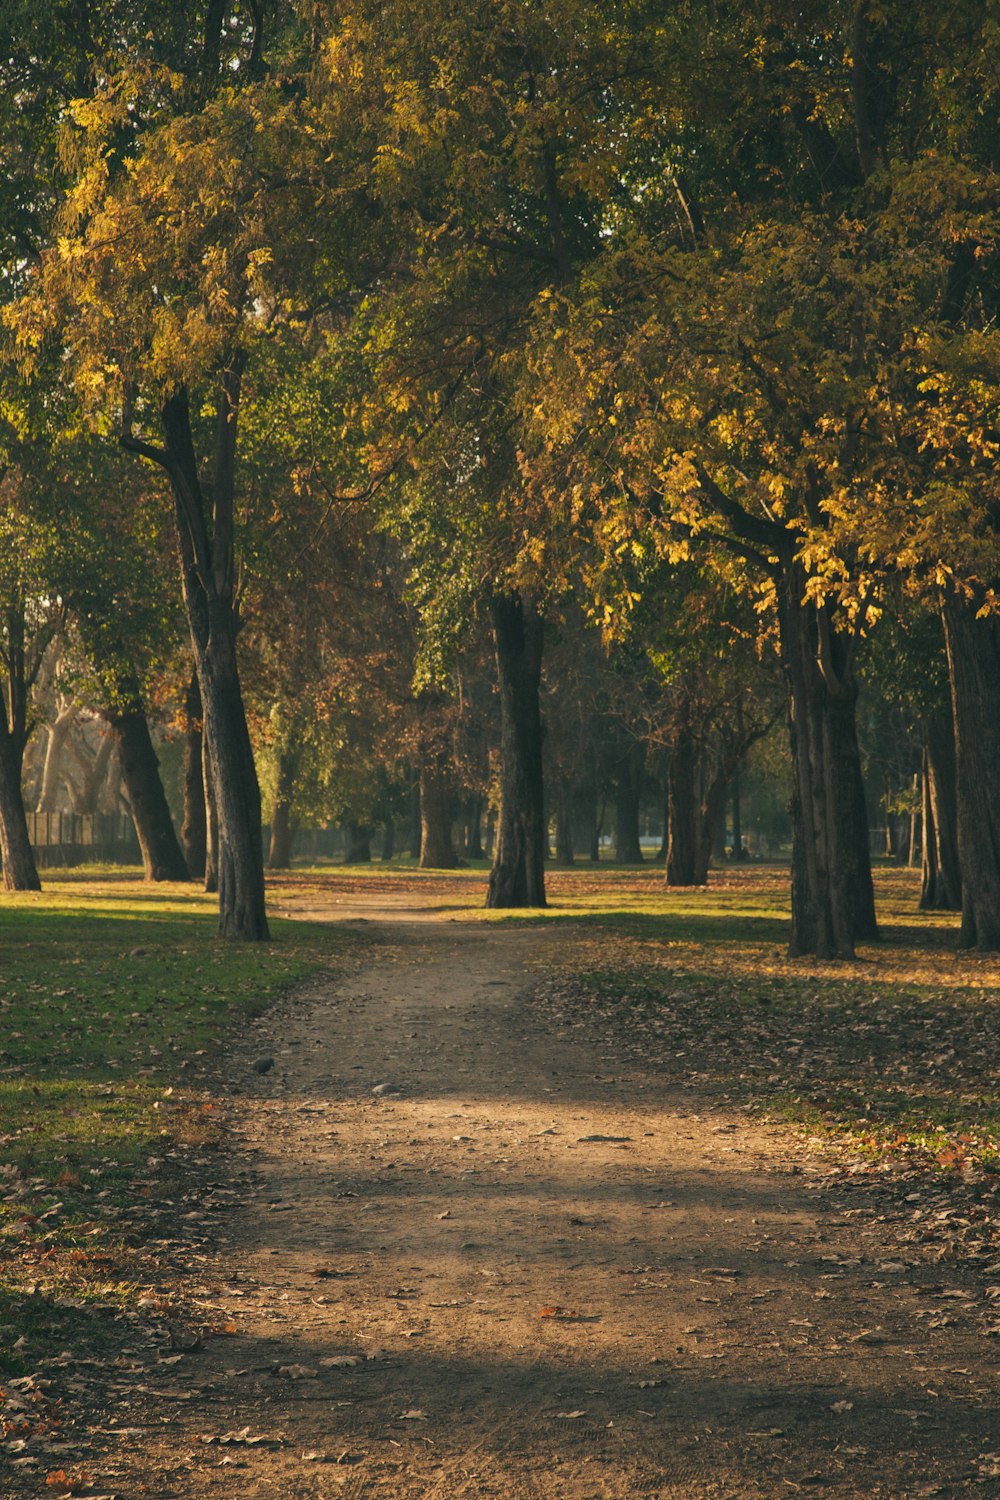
(973, 647)
(474, 828)
(565, 851)
(415, 822)
(97, 775)
(517, 878)
(162, 857)
(194, 829)
(211, 822)
(283, 829)
(833, 902)
(628, 792)
(388, 839)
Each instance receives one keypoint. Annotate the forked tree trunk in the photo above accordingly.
(628, 792)
(974, 671)
(194, 829)
(205, 532)
(517, 878)
(20, 872)
(941, 885)
(162, 857)
(833, 903)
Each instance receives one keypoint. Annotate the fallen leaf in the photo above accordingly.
(569, 1416)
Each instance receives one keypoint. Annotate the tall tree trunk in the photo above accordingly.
(518, 875)
(416, 833)
(474, 828)
(712, 814)
(97, 775)
(437, 851)
(974, 671)
(162, 857)
(737, 805)
(194, 829)
(206, 533)
(941, 886)
(20, 872)
(683, 811)
(628, 792)
(388, 839)
(833, 903)
(59, 732)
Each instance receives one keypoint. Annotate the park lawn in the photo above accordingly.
(114, 997)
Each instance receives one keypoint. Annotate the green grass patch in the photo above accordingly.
(114, 998)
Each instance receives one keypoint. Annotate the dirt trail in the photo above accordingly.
(719, 1327)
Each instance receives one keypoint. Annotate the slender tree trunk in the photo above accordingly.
(628, 793)
(415, 820)
(737, 804)
(974, 671)
(283, 829)
(162, 857)
(97, 774)
(388, 839)
(194, 829)
(833, 901)
(941, 886)
(211, 822)
(518, 875)
(683, 812)
(437, 851)
(474, 828)
(565, 851)
(711, 815)
(20, 872)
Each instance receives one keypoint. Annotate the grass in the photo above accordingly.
(114, 997)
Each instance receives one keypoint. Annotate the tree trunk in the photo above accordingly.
(941, 887)
(437, 851)
(683, 812)
(737, 805)
(833, 901)
(211, 822)
(59, 733)
(565, 852)
(359, 844)
(415, 822)
(712, 814)
(283, 829)
(518, 875)
(388, 839)
(974, 670)
(19, 870)
(194, 829)
(474, 829)
(162, 857)
(97, 775)
(628, 792)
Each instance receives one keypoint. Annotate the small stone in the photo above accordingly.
(381, 1089)
(137, 952)
(263, 1065)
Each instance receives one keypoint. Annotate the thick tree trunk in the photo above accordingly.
(974, 671)
(359, 844)
(628, 792)
(19, 870)
(437, 851)
(518, 875)
(833, 902)
(162, 857)
(194, 829)
(683, 813)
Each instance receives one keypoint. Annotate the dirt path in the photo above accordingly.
(536, 1271)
